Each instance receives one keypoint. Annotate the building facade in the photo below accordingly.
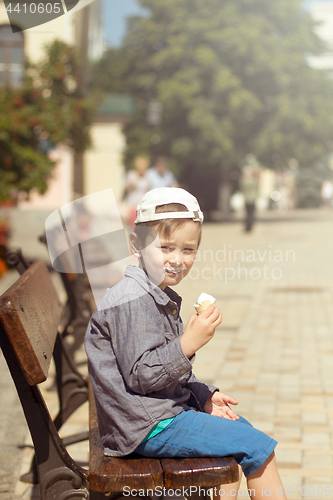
(101, 166)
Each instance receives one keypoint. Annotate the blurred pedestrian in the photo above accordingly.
(249, 185)
(160, 176)
(137, 183)
(327, 193)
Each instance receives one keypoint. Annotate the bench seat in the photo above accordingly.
(140, 473)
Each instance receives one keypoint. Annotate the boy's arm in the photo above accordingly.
(211, 400)
(148, 362)
(200, 329)
(201, 390)
(218, 405)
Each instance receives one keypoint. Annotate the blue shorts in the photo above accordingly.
(197, 434)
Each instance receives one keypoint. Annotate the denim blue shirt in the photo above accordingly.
(138, 370)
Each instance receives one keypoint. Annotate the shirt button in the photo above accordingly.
(182, 372)
(174, 311)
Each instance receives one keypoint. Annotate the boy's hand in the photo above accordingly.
(217, 405)
(200, 329)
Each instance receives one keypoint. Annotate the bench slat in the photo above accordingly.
(30, 312)
(204, 472)
(114, 474)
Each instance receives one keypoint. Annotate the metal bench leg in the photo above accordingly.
(73, 392)
(59, 476)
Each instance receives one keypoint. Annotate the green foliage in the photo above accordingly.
(233, 79)
(50, 108)
(309, 183)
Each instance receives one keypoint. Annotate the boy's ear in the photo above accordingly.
(135, 244)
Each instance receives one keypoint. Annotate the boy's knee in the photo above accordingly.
(270, 461)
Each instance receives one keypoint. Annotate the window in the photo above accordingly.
(11, 57)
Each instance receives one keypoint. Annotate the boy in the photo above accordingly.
(140, 358)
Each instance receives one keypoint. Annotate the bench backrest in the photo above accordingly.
(30, 312)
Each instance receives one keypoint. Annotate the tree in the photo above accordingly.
(309, 182)
(48, 109)
(233, 79)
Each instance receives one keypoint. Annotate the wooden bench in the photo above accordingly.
(71, 385)
(80, 303)
(29, 316)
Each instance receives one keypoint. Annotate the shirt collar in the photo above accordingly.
(162, 297)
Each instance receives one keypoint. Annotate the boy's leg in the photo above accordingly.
(265, 482)
(196, 434)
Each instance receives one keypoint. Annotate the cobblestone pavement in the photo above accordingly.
(273, 351)
(12, 434)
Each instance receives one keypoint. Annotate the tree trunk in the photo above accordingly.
(78, 175)
(224, 199)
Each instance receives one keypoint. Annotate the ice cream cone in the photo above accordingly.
(200, 308)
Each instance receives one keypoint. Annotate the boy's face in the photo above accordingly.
(167, 262)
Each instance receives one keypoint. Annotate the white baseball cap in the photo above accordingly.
(146, 208)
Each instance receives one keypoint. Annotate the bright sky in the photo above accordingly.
(115, 12)
(307, 3)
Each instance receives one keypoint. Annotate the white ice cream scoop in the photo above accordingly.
(203, 302)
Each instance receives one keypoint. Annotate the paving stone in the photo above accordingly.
(13, 430)
(321, 439)
(314, 417)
